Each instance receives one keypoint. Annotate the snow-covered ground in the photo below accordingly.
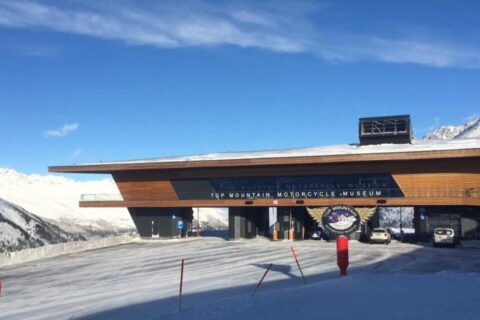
(140, 281)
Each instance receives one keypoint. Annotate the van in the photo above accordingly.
(443, 236)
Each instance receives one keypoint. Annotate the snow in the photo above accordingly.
(53, 250)
(55, 199)
(473, 131)
(20, 229)
(415, 146)
(469, 130)
(211, 218)
(390, 217)
(140, 281)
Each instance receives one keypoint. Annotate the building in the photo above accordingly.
(440, 179)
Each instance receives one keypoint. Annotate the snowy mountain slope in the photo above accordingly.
(390, 217)
(469, 130)
(55, 199)
(211, 218)
(20, 229)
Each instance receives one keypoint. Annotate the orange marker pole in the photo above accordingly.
(261, 280)
(181, 286)
(298, 264)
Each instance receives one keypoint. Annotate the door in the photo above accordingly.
(154, 227)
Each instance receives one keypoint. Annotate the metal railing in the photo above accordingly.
(101, 197)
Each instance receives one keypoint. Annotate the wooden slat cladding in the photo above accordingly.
(424, 182)
(148, 189)
(304, 160)
(440, 185)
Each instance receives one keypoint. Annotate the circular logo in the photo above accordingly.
(341, 220)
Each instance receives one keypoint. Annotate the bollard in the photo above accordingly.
(342, 255)
(275, 232)
(198, 232)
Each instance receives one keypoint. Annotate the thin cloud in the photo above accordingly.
(280, 28)
(76, 153)
(63, 131)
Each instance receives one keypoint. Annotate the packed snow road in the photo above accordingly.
(141, 281)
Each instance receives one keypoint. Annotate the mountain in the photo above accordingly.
(211, 218)
(55, 199)
(468, 130)
(37, 210)
(20, 229)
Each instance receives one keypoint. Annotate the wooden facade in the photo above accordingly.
(435, 178)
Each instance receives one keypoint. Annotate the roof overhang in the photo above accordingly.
(268, 161)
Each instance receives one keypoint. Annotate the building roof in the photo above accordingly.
(419, 149)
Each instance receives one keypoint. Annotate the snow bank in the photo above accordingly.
(9, 258)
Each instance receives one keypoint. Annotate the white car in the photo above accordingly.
(443, 236)
(380, 235)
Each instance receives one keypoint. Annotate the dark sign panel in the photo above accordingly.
(289, 187)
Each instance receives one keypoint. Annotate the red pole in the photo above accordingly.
(298, 264)
(1, 286)
(261, 280)
(181, 287)
(342, 255)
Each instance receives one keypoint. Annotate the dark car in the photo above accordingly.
(319, 234)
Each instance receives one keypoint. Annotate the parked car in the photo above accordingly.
(380, 235)
(318, 234)
(443, 236)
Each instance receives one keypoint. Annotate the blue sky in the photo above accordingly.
(88, 81)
